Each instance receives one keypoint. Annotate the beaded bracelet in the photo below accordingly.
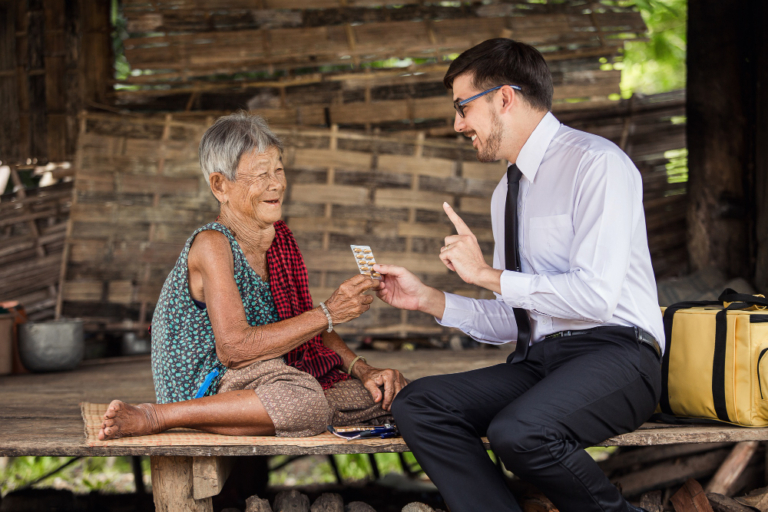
(327, 315)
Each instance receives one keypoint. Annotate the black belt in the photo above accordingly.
(641, 335)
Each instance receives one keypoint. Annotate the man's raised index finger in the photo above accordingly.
(461, 228)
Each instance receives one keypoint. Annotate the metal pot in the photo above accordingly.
(51, 346)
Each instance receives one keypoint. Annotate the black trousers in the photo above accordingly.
(539, 415)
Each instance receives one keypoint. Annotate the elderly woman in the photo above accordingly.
(237, 347)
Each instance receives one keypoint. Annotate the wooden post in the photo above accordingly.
(9, 99)
(172, 486)
(724, 101)
(761, 153)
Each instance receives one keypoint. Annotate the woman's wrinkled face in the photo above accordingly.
(260, 186)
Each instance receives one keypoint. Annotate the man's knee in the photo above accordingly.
(418, 396)
(524, 446)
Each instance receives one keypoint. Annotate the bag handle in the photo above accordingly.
(741, 300)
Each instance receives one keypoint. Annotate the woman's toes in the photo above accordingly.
(114, 407)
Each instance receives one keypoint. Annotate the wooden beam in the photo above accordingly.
(732, 468)
(670, 473)
(209, 474)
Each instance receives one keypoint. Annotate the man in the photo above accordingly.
(573, 278)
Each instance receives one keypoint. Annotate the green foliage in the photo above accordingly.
(103, 474)
(657, 65)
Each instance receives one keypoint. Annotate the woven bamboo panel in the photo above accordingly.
(309, 63)
(196, 53)
(32, 232)
(139, 194)
(391, 100)
(54, 58)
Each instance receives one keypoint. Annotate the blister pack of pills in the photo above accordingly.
(365, 260)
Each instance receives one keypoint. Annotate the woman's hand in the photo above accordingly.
(348, 301)
(375, 378)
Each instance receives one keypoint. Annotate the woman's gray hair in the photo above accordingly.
(229, 138)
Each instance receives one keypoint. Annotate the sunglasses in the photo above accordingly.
(459, 104)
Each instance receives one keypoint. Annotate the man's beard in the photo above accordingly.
(490, 150)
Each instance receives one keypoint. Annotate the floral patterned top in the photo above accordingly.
(183, 345)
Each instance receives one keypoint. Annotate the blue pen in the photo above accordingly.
(207, 383)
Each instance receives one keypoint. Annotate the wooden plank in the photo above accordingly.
(430, 230)
(82, 291)
(335, 194)
(481, 171)
(137, 184)
(398, 198)
(476, 205)
(209, 475)
(401, 164)
(322, 158)
(319, 225)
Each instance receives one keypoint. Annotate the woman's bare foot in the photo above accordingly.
(123, 420)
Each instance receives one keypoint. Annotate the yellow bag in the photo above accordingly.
(715, 366)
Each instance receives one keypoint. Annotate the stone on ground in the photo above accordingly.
(417, 507)
(291, 501)
(328, 502)
(256, 504)
(359, 506)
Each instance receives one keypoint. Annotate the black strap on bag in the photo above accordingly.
(738, 301)
(718, 365)
(741, 300)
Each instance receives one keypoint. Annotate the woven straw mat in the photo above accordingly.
(93, 413)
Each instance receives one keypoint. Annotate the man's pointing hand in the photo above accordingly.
(463, 255)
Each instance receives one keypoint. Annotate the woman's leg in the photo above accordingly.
(235, 413)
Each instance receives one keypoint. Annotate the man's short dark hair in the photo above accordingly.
(503, 61)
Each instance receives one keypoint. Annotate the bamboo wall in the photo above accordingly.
(54, 61)
(139, 194)
(32, 233)
(320, 63)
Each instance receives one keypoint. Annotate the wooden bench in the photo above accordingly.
(40, 415)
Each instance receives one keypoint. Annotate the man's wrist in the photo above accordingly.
(432, 302)
(489, 278)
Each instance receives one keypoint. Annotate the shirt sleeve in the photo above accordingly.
(487, 321)
(605, 198)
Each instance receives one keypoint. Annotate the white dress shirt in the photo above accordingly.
(583, 244)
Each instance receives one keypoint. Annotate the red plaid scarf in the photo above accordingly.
(290, 290)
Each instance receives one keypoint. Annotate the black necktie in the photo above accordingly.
(513, 260)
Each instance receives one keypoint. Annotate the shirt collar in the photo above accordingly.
(532, 153)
